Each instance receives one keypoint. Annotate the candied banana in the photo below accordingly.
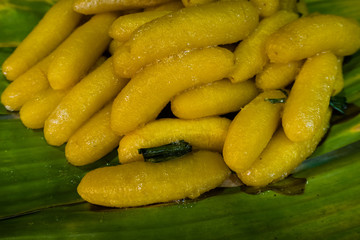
(27, 85)
(78, 53)
(282, 156)
(250, 55)
(142, 183)
(204, 133)
(53, 28)
(309, 97)
(93, 140)
(34, 112)
(84, 99)
(213, 99)
(251, 130)
(101, 6)
(314, 34)
(278, 75)
(125, 25)
(194, 27)
(266, 8)
(148, 92)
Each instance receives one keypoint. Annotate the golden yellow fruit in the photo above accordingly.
(205, 133)
(298, 6)
(169, 6)
(339, 79)
(27, 85)
(266, 8)
(282, 156)
(189, 3)
(125, 25)
(75, 56)
(148, 92)
(313, 34)
(288, 5)
(142, 183)
(114, 45)
(195, 27)
(35, 111)
(84, 99)
(93, 140)
(53, 28)
(98, 63)
(251, 130)
(213, 99)
(278, 75)
(250, 55)
(309, 97)
(101, 6)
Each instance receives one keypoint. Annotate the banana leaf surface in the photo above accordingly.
(38, 198)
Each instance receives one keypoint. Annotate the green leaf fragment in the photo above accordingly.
(286, 93)
(34, 175)
(165, 152)
(345, 8)
(338, 103)
(18, 18)
(4, 53)
(275, 100)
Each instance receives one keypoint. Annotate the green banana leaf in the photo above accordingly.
(329, 209)
(50, 179)
(38, 196)
(4, 53)
(18, 17)
(345, 8)
(352, 83)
